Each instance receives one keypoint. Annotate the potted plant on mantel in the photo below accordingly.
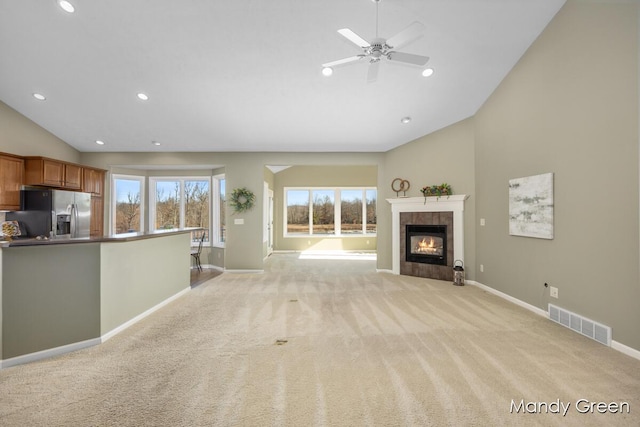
(443, 189)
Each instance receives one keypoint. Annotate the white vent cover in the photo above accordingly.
(582, 325)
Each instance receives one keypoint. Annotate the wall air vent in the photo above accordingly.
(582, 325)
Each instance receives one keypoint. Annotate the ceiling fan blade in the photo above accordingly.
(372, 74)
(353, 37)
(409, 58)
(344, 61)
(406, 36)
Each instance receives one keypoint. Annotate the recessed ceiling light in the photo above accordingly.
(427, 72)
(39, 96)
(156, 143)
(66, 6)
(405, 119)
(99, 142)
(143, 96)
(327, 71)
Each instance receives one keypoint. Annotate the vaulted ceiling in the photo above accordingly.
(245, 75)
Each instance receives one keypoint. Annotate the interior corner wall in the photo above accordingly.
(23, 137)
(570, 107)
(443, 156)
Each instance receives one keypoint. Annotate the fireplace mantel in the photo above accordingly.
(454, 203)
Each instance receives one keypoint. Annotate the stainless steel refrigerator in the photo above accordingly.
(55, 213)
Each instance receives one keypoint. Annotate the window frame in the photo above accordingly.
(153, 180)
(114, 200)
(215, 235)
(337, 212)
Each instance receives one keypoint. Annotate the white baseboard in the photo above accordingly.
(629, 351)
(210, 266)
(244, 271)
(141, 316)
(57, 351)
(51, 352)
(382, 270)
(509, 298)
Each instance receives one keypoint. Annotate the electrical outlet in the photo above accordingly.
(553, 292)
(482, 222)
(481, 268)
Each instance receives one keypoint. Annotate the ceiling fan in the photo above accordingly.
(380, 48)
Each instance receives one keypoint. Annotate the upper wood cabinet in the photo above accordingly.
(11, 174)
(93, 181)
(52, 173)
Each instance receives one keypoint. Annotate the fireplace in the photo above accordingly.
(444, 211)
(426, 244)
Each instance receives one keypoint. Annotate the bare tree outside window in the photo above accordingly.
(196, 207)
(298, 212)
(336, 211)
(351, 212)
(127, 206)
(324, 212)
(167, 205)
(372, 219)
(128, 214)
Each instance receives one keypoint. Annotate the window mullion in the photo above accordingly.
(310, 212)
(364, 211)
(337, 212)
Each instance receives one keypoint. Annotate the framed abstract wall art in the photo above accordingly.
(531, 206)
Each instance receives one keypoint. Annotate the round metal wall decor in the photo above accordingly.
(400, 185)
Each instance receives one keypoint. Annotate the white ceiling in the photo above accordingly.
(245, 75)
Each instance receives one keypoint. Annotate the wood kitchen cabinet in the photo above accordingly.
(11, 174)
(52, 173)
(93, 181)
(97, 217)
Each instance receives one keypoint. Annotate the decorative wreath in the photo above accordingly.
(242, 199)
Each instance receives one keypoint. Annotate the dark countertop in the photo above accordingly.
(117, 238)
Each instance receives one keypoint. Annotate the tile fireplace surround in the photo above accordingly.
(452, 204)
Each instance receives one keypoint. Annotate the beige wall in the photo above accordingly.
(131, 283)
(444, 156)
(21, 136)
(570, 107)
(244, 246)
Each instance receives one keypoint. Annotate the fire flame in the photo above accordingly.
(423, 245)
(427, 246)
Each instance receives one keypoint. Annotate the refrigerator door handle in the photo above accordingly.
(74, 220)
(54, 224)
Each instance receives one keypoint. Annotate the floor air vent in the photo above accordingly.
(582, 325)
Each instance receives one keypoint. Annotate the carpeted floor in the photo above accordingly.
(328, 343)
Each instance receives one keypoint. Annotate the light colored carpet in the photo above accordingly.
(362, 348)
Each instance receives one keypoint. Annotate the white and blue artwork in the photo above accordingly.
(531, 206)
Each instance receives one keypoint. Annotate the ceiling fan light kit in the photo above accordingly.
(380, 48)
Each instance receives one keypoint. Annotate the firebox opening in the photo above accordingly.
(426, 244)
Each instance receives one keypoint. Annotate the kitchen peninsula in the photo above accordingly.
(62, 295)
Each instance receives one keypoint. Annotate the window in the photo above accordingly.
(297, 212)
(370, 211)
(179, 203)
(351, 212)
(330, 211)
(324, 212)
(126, 204)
